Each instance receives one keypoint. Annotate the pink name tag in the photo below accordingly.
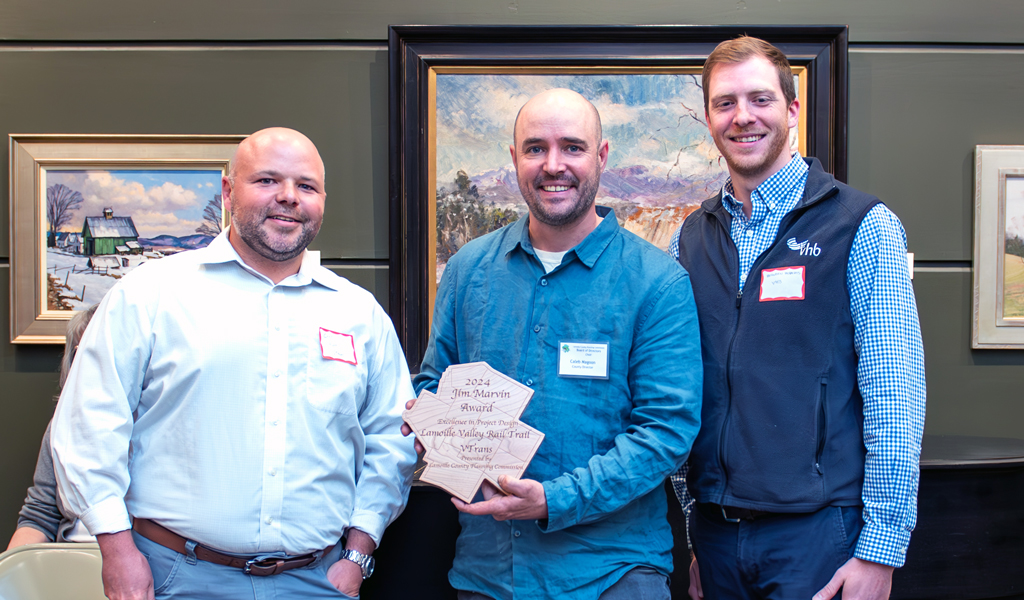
(338, 346)
(786, 283)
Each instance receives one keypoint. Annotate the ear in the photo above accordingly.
(794, 112)
(602, 154)
(225, 192)
(512, 151)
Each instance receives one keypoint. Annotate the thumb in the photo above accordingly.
(512, 485)
(831, 588)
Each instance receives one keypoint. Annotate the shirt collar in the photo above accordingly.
(587, 251)
(771, 191)
(221, 251)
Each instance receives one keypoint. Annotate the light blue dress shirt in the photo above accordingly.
(609, 443)
(887, 337)
(250, 417)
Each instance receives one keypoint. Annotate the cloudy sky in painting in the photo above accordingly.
(159, 202)
(644, 118)
(1015, 206)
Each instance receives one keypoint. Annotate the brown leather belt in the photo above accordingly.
(732, 513)
(250, 565)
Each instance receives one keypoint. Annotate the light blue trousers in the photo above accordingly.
(185, 577)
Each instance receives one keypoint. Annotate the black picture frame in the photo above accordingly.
(413, 50)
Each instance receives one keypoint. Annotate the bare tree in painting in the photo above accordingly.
(61, 202)
(212, 218)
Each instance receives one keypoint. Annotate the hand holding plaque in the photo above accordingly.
(471, 431)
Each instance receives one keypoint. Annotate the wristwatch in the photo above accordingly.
(365, 562)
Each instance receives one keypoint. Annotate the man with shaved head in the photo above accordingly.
(602, 326)
(231, 426)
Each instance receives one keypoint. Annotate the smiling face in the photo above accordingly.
(559, 155)
(749, 119)
(276, 197)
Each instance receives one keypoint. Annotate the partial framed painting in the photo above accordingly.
(455, 92)
(87, 209)
(998, 247)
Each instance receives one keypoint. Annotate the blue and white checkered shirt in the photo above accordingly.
(887, 337)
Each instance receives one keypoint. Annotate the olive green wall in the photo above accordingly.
(929, 79)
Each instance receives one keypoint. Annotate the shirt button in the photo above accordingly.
(543, 281)
(517, 533)
(749, 232)
(274, 422)
(536, 328)
(529, 382)
(277, 374)
(273, 472)
(268, 520)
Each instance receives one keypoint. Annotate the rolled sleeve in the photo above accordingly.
(382, 487)
(92, 425)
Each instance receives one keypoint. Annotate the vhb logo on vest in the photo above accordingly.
(805, 248)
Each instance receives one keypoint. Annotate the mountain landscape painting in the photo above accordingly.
(662, 161)
(101, 224)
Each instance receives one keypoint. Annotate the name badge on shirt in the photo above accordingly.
(583, 359)
(338, 346)
(785, 283)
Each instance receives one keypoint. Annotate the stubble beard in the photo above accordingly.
(250, 230)
(779, 144)
(586, 193)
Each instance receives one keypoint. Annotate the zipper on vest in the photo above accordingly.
(822, 424)
(728, 382)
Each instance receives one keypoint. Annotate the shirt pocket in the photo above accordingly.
(333, 386)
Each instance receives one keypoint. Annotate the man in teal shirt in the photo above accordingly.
(588, 518)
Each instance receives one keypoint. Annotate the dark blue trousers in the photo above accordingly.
(776, 557)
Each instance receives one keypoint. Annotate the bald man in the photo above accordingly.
(231, 426)
(588, 519)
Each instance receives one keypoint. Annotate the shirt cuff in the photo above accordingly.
(370, 523)
(882, 545)
(107, 516)
(559, 502)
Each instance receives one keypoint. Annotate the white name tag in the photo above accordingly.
(786, 283)
(338, 346)
(583, 359)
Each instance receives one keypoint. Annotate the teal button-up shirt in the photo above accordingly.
(610, 443)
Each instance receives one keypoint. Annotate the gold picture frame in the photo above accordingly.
(998, 303)
(35, 159)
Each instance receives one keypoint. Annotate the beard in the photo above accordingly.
(748, 166)
(586, 192)
(249, 225)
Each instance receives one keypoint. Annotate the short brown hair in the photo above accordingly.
(741, 50)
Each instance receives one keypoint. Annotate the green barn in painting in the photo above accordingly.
(102, 235)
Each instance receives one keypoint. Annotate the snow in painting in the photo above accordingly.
(101, 224)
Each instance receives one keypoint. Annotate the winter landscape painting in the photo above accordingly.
(86, 209)
(101, 224)
(662, 163)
